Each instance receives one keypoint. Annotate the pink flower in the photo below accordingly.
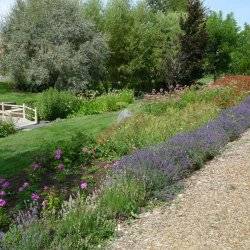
(36, 166)
(25, 184)
(58, 154)
(20, 189)
(35, 197)
(61, 167)
(6, 184)
(3, 203)
(2, 193)
(83, 185)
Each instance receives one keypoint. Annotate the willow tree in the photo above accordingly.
(50, 43)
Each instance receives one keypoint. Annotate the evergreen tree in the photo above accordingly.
(193, 42)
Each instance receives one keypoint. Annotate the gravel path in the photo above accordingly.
(213, 212)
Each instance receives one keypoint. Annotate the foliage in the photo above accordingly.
(193, 43)
(58, 46)
(222, 35)
(35, 236)
(112, 101)
(240, 63)
(168, 5)
(122, 197)
(6, 128)
(4, 219)
(118, 23)
(53, 104)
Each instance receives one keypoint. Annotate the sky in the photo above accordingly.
(241, 8)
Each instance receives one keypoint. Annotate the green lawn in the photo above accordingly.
(16, 150)
(8, 95)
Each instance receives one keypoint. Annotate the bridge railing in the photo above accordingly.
(18, 111)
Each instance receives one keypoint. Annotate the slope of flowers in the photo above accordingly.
(188, 151)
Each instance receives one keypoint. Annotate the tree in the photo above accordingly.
(168, 5)
(151, 44)
(222, 35)
(50, 43)
(118, 23)
(240, 56)
(193, 43)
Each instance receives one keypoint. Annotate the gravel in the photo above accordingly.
(213, 212)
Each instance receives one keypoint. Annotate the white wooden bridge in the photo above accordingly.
(21, 115)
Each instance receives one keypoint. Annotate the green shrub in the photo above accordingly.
(53, 104)
(107, 103)
(123, 197)
(6, 128)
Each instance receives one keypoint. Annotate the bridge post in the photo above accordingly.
(2, 104)
(24, 111)
(36, 118)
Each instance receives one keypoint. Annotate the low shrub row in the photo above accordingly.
(112, 101)
(53, 104)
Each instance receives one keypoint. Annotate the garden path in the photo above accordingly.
(213, 212)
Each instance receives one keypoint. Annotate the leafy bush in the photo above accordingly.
(6, 128)
(53, 104)
(106, 103)
(122, 197)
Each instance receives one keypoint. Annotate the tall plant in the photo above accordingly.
(193, 43)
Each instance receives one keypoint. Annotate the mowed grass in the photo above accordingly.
(16, 151)
(7, 94)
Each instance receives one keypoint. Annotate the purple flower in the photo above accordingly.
(58, 154)
(61, 167)
(6, 184)
(36, 166)
(2, 193)
(83, 185)
(3, 203)
(35, 197)
(2, 180)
